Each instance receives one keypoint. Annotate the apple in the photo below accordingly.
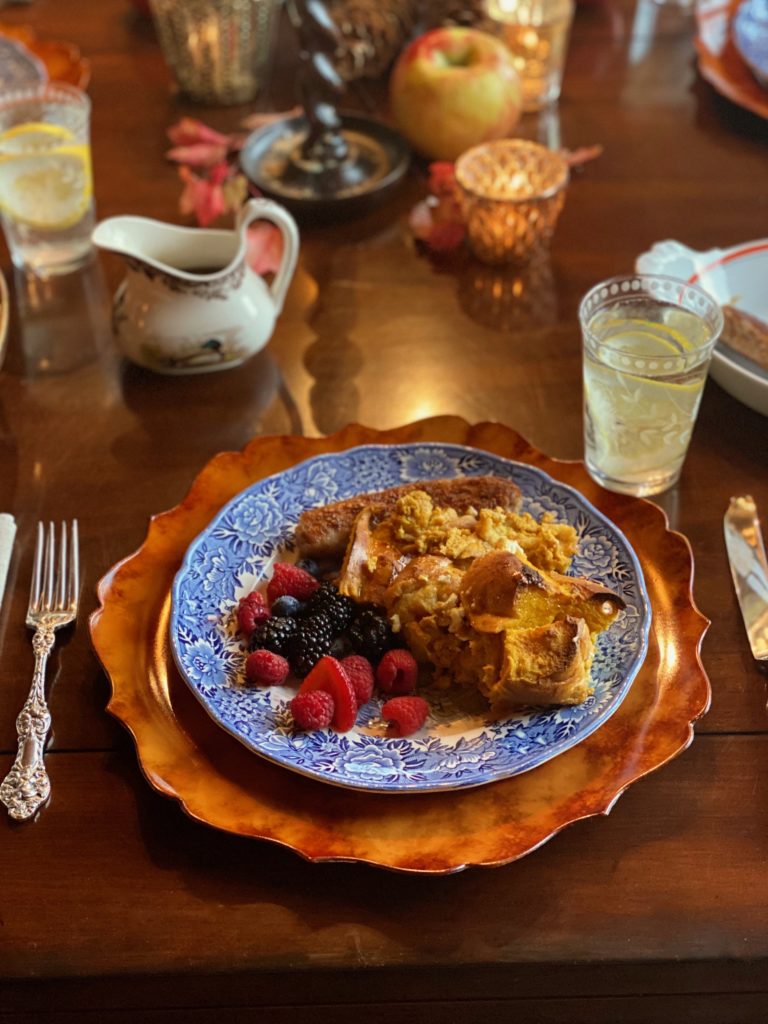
(453, 88)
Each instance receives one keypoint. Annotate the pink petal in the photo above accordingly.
(446, 237)
(201, 154)
(264, 248)
(421, 220)
(204, 199)
(189, 131)
(442, 179)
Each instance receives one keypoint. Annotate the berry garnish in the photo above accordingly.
(312, 710)
(328, 675)
(312, 640)
(371, 635)
(286, 606)
(397, 672)
(336, 608)
(273, 634)
(290, 579)
(405, 715)
(359, 672)
(265, 668)
(251, 610)
(309, 565)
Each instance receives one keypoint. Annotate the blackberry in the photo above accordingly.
(371, 635)
(333, 606)
(273, 634)
(313, 639)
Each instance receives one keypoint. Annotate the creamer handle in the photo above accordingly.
(265, 209)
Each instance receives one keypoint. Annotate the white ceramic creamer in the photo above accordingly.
(190, 302)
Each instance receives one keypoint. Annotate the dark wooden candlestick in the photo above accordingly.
(323, 160)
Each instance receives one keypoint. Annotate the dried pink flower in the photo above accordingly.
(265, 248)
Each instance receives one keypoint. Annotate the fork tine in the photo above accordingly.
(37, 571)
(50, 555)
(74, 567)
(61, 575)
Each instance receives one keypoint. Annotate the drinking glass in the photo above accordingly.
(536, 33)
(647, 342)
(217, 49)
(46, 184)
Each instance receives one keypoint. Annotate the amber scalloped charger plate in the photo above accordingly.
(186, 756)
(720, 62)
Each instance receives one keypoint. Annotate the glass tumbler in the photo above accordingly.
(218, 50)
(536, 33)
(647, 343)
(46, 184)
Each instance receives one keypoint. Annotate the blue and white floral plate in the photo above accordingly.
(461, 745)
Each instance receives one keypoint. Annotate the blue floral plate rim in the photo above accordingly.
(362, 760)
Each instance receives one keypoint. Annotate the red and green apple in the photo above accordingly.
(453, 88)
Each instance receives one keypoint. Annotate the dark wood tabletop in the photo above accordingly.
(116, 906)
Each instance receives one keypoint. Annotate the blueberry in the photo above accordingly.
(286, 607)
(309, 565)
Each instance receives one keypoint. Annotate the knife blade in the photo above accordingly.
(749, 569)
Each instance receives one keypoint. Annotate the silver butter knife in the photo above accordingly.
(749, 568)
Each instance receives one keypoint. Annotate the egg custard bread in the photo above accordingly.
(482, 598)
(324, 532)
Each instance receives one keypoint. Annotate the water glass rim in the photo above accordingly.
(46, 92)
(615, 292)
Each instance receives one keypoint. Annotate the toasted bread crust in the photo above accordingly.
(324, 532)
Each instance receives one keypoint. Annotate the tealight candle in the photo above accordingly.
(512, 192)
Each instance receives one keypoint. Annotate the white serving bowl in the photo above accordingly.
(737, 276)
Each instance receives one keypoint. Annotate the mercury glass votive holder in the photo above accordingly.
(218, 50)
(512, 192)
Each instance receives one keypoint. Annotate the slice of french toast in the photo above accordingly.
(323, 533)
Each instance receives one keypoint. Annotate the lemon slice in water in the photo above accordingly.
(47, 188)
(33, 137)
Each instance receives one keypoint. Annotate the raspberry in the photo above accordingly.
(405, 715)
(328, 675)
(265, 668)
(251, 610)
(312, 710)
(397, 672)
(291, 580)
(359, 672)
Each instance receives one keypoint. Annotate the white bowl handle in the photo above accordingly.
(266, 209)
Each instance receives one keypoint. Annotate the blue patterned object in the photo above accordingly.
(462, 745)
(750, 36)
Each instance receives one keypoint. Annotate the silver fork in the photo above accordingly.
(53, 600)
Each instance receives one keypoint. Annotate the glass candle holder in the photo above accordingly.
(536, 33)
(218, 50)
(512, 192)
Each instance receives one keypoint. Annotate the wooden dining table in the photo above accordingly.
(115, 905)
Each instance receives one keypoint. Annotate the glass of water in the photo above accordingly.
(647, 343)
(46, 183)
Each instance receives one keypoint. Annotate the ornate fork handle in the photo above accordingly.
(27, 786)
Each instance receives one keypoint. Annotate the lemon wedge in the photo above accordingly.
(33, 137)
(48, 188)
(639, 425)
